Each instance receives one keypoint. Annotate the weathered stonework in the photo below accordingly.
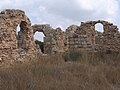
(86, 37)
(53, 40)
(11, 44)
(14, 46)
(81, 37)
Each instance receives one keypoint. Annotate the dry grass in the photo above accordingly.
(93, 71)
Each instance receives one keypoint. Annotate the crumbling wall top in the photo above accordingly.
(45, 28)
(12, 12)
(95, 22)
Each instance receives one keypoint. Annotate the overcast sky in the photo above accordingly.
(63, 13)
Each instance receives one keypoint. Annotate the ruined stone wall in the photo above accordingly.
(86, 37)
(109, 39)
(13, 45)
(10, 42)
(53, 40)
(48, 33)
(59, 39)
(80, 37)
(83, 37)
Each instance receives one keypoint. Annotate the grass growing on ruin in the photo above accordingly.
(89, 71)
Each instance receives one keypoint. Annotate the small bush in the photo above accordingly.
(72, 56)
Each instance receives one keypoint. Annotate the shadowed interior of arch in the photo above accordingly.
(21, 35)
(99, 27)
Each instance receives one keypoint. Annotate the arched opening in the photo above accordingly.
(99, 27)
(39, 40)
(21, 35)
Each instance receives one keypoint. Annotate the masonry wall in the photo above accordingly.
(83, 37)
(86, 37)
(53, 40)
(14, 45)
(10, 42)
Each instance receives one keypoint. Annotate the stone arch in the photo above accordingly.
(10, 19)
(41, 31)
(48, 32)
(14, 18)
(46, 29)
(25, 39)
(106, 25)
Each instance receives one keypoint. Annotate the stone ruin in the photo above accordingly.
(86, 37)
(15, 45)
(83, 37)
(53, 40)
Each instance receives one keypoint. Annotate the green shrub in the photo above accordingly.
(72, 56)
